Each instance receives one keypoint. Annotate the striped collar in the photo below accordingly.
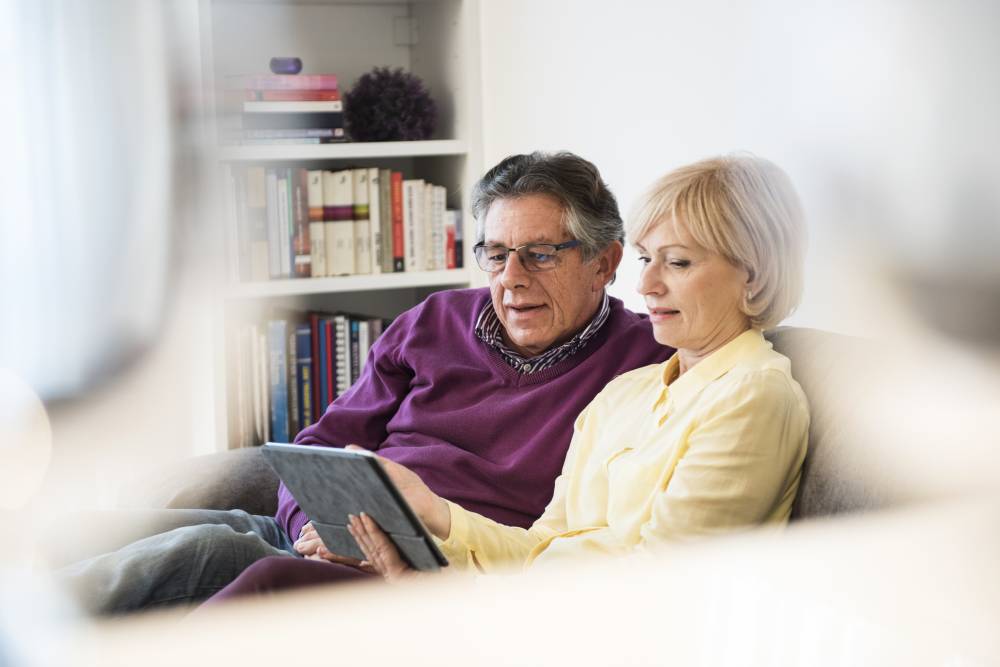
(490, 331)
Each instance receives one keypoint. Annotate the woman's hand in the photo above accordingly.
(381, 555)
(430, 507)
(310, 545)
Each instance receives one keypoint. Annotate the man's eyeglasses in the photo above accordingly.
(533, 256)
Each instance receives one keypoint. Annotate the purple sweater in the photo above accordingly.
(435, 398)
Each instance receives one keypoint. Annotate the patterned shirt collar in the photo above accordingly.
(490, 331)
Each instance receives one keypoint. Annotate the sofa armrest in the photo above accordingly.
(235, 479)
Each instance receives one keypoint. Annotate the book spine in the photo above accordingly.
(285, 224)
(315, 133)
(303, 362)
(342, 345)
(288, 121)
(398, 244)
(364, 344)
(293, 107)
(316, 366)
(325, 389)
(317, 242)
(375, 220)
(362, 227)
(256, 198)
(294, 95)
(413, 229)
(439, 235)
(385, 218)
(355, 349)
(338, 212)
(335, 364)
(301, 241)
(459, 233)
(449, 229)
(294, 425)
(278, 381)
(234, 232)
(282, 82)
(273, 226)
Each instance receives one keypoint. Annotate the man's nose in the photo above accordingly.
(514, 274)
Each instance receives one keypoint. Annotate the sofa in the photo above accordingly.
(837, 478)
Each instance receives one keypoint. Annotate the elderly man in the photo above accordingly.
(475, 390)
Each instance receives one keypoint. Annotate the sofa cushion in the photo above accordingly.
(837, 476)
(236, 479)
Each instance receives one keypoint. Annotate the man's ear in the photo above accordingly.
(607, 264)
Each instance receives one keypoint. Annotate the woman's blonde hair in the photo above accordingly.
(745, 209)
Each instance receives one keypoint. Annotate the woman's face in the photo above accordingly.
(693, 294)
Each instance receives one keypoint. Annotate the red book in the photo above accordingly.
(282, 82)
(449, 251)
(397, 221)
(296, 95)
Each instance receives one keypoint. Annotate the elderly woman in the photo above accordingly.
(712, 440)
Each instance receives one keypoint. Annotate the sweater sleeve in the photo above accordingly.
(481, 543)
(361, 415)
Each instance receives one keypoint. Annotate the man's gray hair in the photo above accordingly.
(590, 210)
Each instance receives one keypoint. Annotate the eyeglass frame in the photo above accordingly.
(565, 245)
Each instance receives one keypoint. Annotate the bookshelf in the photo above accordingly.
(438, 40)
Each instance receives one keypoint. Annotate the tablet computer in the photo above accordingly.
(330, 483)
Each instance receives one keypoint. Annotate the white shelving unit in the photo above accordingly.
(438, 40)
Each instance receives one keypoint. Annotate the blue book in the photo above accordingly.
(355, 350)
(279, 379)
(324, 362)
(303, 362)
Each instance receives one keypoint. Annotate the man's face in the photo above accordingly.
(540, 309)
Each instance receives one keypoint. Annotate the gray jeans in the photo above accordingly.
(186, 557)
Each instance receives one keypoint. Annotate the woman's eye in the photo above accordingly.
(644, 260)
(680, 263)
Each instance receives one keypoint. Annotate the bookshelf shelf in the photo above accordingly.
(345, 151)
(383, 281)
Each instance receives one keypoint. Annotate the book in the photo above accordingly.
(281, 82)
(301, 240)
(362, 225)
(355, 348)
(413, 228)
(459, 250)
(292, 365)
(303, 386)
(341, 344)
(332, 363)
(256, 208)
(323, 373)
(235, 234)
(285, 224)
(317, 247)
(294, 95)
(364, 343)
(398, 242)
(273, 226)
(286, 141)
(338, 218)
(385, 218)
(449, 230)
(278, 381)
(305, 133)
(439, 239)
(317, 366)
(284, 121)
(374, 219)
(296, 106)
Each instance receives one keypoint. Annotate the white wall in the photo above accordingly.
(883, 112)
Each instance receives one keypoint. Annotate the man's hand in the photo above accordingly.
(380, 553)
(430, 507)
(311, 546)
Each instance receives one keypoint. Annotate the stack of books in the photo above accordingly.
(282, 109)
(291, 368)
(291, 222)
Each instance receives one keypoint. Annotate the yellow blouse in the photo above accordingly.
(657, 458)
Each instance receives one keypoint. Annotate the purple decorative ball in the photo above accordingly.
(289, 65)
(389, 105)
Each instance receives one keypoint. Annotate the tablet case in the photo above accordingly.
(330, 483)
